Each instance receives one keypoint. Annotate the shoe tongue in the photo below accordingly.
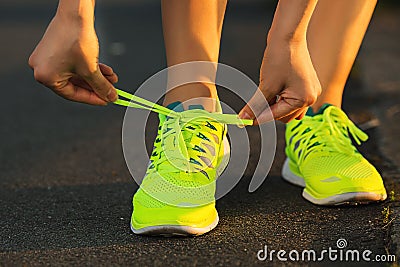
(178, 107)
(311, 113)
(191, 107)
(175, 106)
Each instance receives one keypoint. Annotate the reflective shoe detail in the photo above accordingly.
(322, 158)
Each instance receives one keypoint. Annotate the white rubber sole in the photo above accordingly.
(290, 177)
(174, 230)
(351, 198)
(184, 230)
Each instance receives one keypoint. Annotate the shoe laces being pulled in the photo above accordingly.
(176, 127)
(186, 144)
(328, 132)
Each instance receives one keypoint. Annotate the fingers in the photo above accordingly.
(285, 108)
(302, 114)
(79, 94)
(282, 110)
(285, 105)
(105, 70)
(74, 88)
(101, 86)
(276, 111)
(298, 115)
(257, 104)
(109, 73)
(78, 81)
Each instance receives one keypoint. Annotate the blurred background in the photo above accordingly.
(65, 190)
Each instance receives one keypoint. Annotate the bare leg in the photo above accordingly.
(334, 36)
(192, 32)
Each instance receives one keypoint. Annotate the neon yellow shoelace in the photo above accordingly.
(332, 133)
(180, 118)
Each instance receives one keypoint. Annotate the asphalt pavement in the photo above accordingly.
(65, 190)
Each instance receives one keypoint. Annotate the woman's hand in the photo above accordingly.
(66, 61)
(288, 82)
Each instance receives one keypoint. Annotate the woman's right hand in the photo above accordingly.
(288, 80)
(66, 61)
(286, 72)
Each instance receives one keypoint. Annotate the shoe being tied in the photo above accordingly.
(176, 196)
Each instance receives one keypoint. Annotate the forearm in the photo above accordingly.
(81, 11)
(291, 20)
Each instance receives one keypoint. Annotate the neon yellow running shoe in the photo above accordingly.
(322, 159)
(191, 150)
(176, 196)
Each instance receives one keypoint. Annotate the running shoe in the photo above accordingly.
(176, 196)
(322, 159)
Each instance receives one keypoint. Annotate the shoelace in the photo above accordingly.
(333, 129)
(167, 150)
(176, 119)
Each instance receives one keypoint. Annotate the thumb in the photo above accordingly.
(255, 106)
(101, 86)
(279, 110)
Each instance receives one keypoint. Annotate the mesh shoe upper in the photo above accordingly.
(322, 151)
(182, 169)
(191, 149)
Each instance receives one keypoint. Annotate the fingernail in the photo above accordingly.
(112, 96)
(244, 115)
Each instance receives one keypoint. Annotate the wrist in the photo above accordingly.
(291, 21)
(281, 47)
(76, 11)
(287, 38)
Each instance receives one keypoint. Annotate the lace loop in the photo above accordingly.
(333, 129)
(141, 103)
(174, 126)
